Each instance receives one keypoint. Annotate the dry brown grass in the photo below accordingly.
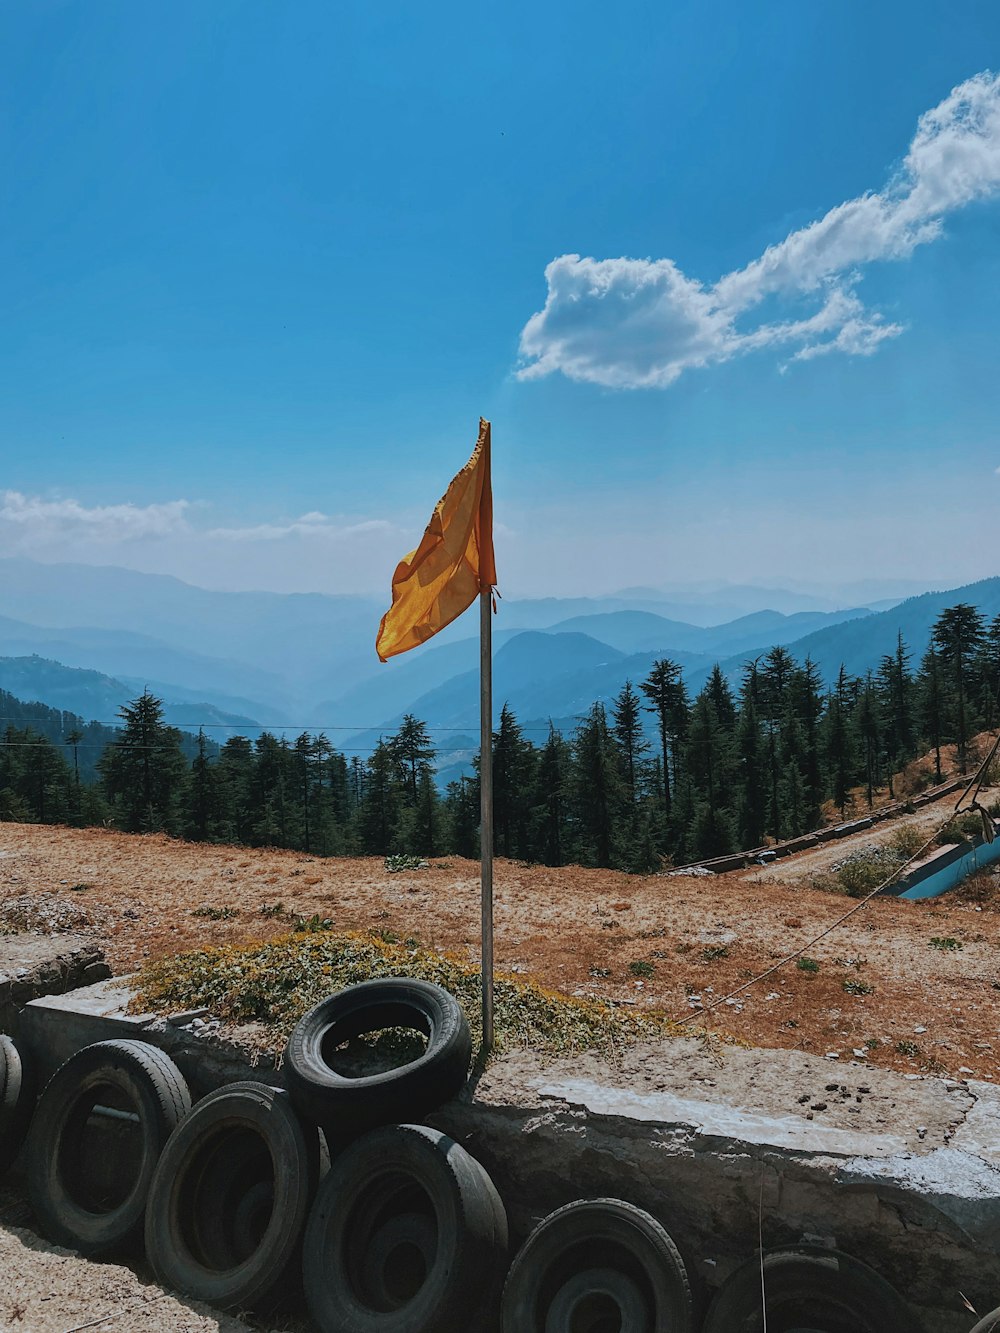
(702, 936)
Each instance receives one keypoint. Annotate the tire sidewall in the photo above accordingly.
(471, 1232)
(294, 1151)
(124, 1066)
(408, 1091)
(594, 1220)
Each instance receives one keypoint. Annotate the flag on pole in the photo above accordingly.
(453, 564)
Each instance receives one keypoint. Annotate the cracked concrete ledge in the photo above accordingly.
(32, 965)
(716, 1141)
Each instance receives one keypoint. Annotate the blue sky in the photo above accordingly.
(264, 266)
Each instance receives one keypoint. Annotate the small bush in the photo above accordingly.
(396, 863)
(865, 870)
(907, 1048)
(906, 841)
(275, 909)
(809, 965)
(311, 925)
(962, 828)
(855, 987)
(215, 913)
(640, 968)
(946, 943)
(711, 952)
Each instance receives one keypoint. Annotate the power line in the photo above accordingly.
(310, 727)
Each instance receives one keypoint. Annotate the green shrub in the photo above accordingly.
(962, 828)
(865, 870)
(640, 968)
(215, 913)
(855, 987)
(907, 1048)
(809, 965)
(395, 863)
(947, 943)
(906, 841)
(311, 925)
(711, 952)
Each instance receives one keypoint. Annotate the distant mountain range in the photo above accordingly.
(88, 638)
(97, 697)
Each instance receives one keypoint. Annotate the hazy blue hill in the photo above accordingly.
(860, 644)
(97, 697)
(764, 629)
(402, 679)
(293, 634)
(124, 654)
(634, 631)
(644, 632)
(297, 653)
(539, 675)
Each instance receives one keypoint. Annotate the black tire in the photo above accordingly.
(17, 1101)
(407, 1235)
(405, 1093)
(231, 1195)
(822, 1291)
(90, 1193)
(990, 1323)
(598, 1264)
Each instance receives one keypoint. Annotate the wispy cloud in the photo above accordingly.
(309, 525)
(640, 323)
(32, 519)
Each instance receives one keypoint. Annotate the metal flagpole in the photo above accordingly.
(486, 803)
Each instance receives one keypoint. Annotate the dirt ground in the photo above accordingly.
(50, 1290)
(928, 1008)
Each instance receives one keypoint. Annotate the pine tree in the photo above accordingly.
(868, 730)
(751, 767)
(143, 773)
(958, 635)
(598, 793)
(632, 744)
(838, 747)
(513, 771)
(202, 799)
(932, 705)
(988, 672)
(895, 691)
(415, 755)
(549, 814)
(710, 766)
(664, 688)
(381, 803)
(462, 814)
(805, 705)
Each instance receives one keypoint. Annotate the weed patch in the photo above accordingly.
(275, 983)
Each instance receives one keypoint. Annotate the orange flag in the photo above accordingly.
(453, 564)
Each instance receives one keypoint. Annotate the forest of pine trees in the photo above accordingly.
(656, 777)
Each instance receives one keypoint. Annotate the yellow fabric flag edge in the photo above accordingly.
(453, 564)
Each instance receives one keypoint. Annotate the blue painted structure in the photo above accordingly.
(949, 869)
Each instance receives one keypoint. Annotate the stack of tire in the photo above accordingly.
(403, 1232)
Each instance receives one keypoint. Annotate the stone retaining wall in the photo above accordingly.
(35, 965)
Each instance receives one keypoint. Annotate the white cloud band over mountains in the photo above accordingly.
(317, 551)
(640, 323)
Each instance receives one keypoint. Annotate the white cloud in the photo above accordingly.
(640, 323)
(309, 525)
(31, 520)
